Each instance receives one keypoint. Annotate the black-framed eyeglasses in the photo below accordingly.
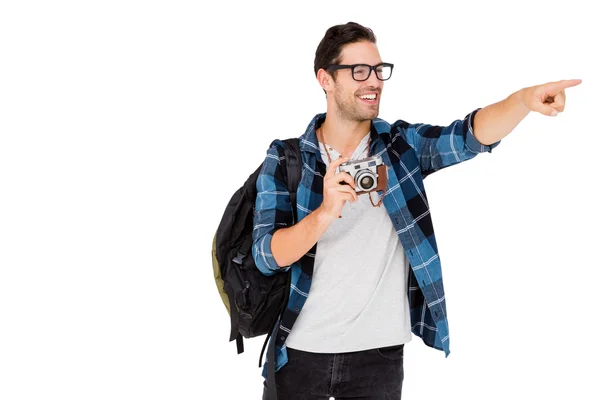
(362, 72)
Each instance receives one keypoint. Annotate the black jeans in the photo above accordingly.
(370, 374)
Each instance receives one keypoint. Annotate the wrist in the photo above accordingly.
(519, 98)
(323, 217)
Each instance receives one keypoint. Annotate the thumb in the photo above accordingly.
(545, 109)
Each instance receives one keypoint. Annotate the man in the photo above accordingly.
(376, 277)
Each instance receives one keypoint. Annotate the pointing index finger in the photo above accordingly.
(556, 87)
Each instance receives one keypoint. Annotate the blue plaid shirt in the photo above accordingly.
(413, 151)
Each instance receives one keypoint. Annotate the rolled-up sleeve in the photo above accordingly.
(438, 147)
(272, 210)
(471, 142)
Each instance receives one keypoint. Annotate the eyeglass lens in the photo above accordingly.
(362, 72)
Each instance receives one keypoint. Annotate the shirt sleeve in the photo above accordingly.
(438, 147)
(272, 210)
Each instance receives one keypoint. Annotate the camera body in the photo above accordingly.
(369, 174)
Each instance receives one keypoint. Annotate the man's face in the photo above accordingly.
(349, 95)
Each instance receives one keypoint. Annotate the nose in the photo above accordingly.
(372, 81)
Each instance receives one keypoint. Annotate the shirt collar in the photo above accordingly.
(310, 143)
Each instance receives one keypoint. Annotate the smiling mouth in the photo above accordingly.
(371, 98)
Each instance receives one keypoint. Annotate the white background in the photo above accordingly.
(126, 127)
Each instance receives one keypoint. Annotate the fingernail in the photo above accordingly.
(554, 113)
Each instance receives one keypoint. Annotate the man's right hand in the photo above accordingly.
(336, 193)
(288, 245)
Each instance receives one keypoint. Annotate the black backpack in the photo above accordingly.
(254, 301)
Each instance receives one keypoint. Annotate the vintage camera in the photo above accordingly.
(370, 174)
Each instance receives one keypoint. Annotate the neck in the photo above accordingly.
(343, 135)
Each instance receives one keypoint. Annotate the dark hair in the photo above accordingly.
(336, 37)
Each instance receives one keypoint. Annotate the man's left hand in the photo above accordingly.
(549, 98)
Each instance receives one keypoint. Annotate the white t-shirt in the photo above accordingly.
(358, 296)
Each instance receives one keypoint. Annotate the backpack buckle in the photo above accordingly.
(239, 258)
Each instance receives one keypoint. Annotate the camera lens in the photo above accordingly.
(366, 182)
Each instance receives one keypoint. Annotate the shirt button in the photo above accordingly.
(282, 338)
(297, 309)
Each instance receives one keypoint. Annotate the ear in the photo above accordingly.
(325, 79)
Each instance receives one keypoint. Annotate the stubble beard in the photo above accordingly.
(350, 109)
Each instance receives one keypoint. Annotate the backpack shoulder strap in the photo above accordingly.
(293, 161)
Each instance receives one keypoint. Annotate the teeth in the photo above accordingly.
(368, 96)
